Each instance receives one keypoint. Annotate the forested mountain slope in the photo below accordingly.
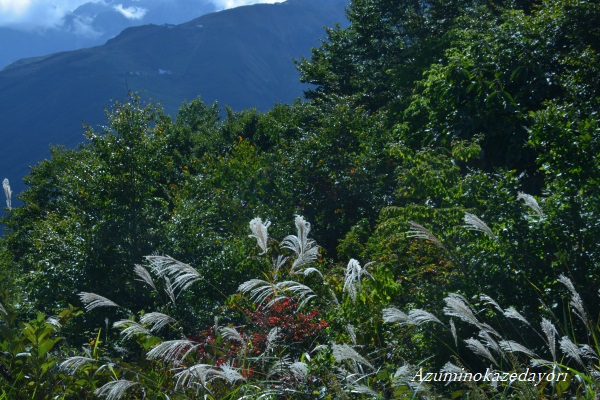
(241, 57)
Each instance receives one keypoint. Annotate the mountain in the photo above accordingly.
(242, 57)
(93, 23)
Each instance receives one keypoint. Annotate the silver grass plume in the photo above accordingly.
(457, 306)
(260, 290)
(281, 367)
(489, 341)
(576, 301)
(131, 328)
(230, 333)
(306, 250)
(479, 349)
(156, 321)
(172, 350)
(514, 347)
(72, 364)
(488, 300)
(144, 276)
(550, 332)
(272, 338)
(530, 202)
(351, 333)
(277, 264)
(92, 300)
(420, 232)
(404, 376)
(353, 279)
(419, 317)
(199, 372)
(259, 231)
(205, 373)
(299, 370)
(453, 331)
(511, 312)
(343, 352)
(169, 290)
(115, 390)
(473, 222)
(7, 193)
(571, 350)
(394, 315)
(361, 389)
(3, 310)
(414, 317)
(182, 275)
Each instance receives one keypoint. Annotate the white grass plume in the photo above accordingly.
(299, 370)
(169, 290)
(156, 321)
(488, 300)
(115, 390)
(202, 373)
(7, 193)
(571, 350)
(182, 275)
(353, 278)
(144, 276)
(457, 306)
(514, 347)
(3, 310)
(281, 367)
(230, 333)
(511, 312)
(420, 232)
(453, 332)
(72, 364)
(259, 231)
(93, 300)
(473, 222)
(272, 338)
(530, 202)
(351, 333)
(343, 352)
(260, 290)
(131, 328)
(550, 332)
(172, 350)
(576, 301)
(414, 317)
(306, 250)
(479, 349)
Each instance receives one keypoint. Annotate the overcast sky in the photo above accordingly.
(44, 13)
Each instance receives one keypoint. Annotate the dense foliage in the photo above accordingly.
(447, 158)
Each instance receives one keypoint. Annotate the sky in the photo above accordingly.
(46, 13)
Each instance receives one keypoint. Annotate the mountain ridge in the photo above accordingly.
(239, 57)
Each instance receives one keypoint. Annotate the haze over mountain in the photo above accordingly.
(242, 57)
(30, 28)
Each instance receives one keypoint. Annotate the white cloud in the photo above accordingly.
(131, 12)
(224, 4)
(31, 14)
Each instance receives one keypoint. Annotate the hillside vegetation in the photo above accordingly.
(430, 207)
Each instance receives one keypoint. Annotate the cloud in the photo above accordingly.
(36, 14)
(224, 4)
(32, 14)
(131, 12)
